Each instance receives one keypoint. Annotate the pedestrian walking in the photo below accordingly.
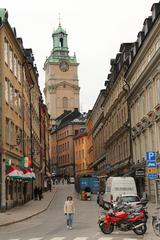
(69, 211)
(40, 193)
(49, 185)
(35, 193)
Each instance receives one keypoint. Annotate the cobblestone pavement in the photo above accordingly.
(50, 224)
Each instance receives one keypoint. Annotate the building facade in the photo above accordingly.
(61, 77)
(66, 128)
(89, 126)
(116, 117)
(19, 119)
(96, 117)
(81, 154)
(143, 77)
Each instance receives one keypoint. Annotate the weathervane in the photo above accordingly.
(59, 19)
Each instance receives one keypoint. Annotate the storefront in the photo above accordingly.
(18, 185)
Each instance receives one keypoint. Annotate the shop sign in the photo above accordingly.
(139, 173)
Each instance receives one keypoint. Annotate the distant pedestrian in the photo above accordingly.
(35, 192)
(45, 185)
(40, 193)
(63, 181)
(56, 181)
(49, 185)
(69, 211)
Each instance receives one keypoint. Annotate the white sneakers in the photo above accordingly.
(69, 227)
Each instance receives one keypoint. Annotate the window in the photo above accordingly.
(65, 102)
(158, 91)
(20, 104)
(6, 51)
(11, 95)
(7, 130)
(16, 100)
(19, 72)
(61, 42)
(24, 74)
(11, 59)
(15, 65)
(149, 98)
(82, 153)
(12, 133)
(75, 132)
(7, 90)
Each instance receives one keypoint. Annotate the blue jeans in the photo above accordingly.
(69, 219)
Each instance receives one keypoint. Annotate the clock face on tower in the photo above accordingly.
(64, 66)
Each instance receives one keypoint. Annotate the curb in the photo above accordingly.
(26, 218)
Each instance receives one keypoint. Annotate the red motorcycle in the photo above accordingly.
(124, 221)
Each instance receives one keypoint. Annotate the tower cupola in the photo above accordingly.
(60, 45)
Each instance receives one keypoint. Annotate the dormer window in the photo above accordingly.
(155, 10)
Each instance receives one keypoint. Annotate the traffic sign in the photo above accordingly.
(151, 164)
(152, 170)
(151, 156)
(152, 176)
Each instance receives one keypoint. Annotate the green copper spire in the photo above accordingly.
(60, 45)
(3, 14)
(60, 49)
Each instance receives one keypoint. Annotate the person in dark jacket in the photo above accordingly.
(40, 193)
(35, 192)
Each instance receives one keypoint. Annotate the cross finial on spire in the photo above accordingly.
(59, 19)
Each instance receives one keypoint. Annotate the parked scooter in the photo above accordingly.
(156, 225)
(123, 220)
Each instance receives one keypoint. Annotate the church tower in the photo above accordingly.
(61, 77)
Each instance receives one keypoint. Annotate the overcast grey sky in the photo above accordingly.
(95, 28)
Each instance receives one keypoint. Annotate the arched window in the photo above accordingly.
(61, 42)
(65, 102)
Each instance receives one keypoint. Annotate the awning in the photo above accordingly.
(14, 172)
(27, 174)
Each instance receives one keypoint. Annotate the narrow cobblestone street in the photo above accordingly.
(51, 224)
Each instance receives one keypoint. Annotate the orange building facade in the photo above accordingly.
(81, 154)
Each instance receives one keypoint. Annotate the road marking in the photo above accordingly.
(81, 238)
(58, 238)
(106, 238)
(36, 238)
(130, 239)
(14, 239)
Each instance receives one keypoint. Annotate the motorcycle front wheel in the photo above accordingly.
(156, 227)
(107, 228)
(140, 230)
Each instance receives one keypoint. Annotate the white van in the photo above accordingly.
(115, 186)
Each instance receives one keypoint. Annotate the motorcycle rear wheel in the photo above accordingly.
(140, 230)
(156, 227)
(107, 228)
